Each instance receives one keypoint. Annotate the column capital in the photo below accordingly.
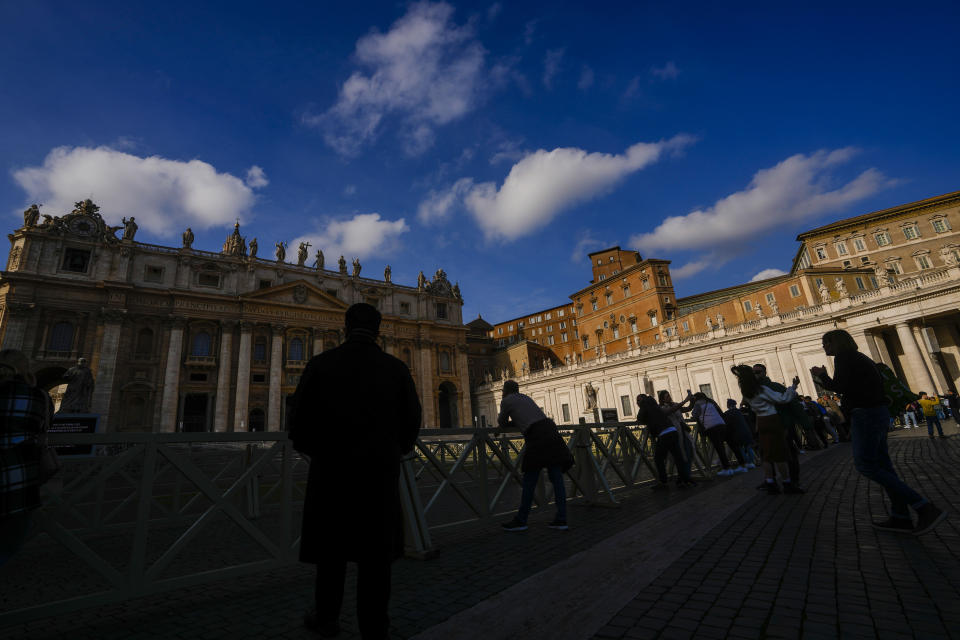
(228, 324)
(246, 326)
(175, 322)
(113, 315)
(278, 329)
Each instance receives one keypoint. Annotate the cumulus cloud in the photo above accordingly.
(768, 273)
(551, 66)
(439, 204)
(425, 70)
(256, 178)
(361, 236)
(164, 195)
(798, 188)
(669, 71)
(586, 78)
(694, 267)
(545, 183)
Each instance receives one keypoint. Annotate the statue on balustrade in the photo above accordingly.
(841, 287)
(356, 267)
(302, 253)
(281, 251)
(318, 263)
(253, 248)
(79, 393)
(824, 293)
(30, 216)
(129, 228)
(342, 263)
(387, 274)
(188, 238)
(591, 394)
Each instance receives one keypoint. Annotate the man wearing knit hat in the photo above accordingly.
(356, 413)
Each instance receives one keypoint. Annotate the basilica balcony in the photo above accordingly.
(201, 361)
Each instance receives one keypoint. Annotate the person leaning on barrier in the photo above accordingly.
(856, 378)
(544, 449)
(25, 415)
(356, 414)
(667, 437)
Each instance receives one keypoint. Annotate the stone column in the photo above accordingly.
(317, 342)
(16, 317)
(243, 378)
(107, 367)
(425, 375)
(466, 415)
(276, 374)
(171, 378)
(880, 346)
(918, 378)
(940, 383)
(224, 367)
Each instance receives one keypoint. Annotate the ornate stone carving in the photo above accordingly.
(235, 245)
(440, 286)
(253, 248)
(300, 293)
(281, 251)
(302, 253)
(387, 273)
(318, 262)
(31, 216)
(113, 315)
(356, 267)
(342, 263)
(188, 238)
(129, 229)
(13, 263)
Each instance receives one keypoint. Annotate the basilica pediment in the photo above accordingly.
(300, 293)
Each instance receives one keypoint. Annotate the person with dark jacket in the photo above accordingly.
(544, 449)
(667, 438)
(356, 414)
(739, 434)
(793, 418)
(859, 383)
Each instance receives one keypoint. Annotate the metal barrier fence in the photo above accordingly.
(153, 512)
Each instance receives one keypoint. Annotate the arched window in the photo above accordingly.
(296, 350)
(201, 345)
(61, 337)
(444, 361)
(144, 343)
(260, 349)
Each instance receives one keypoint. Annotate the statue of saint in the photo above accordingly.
(30, 216)
(387, 273)
(456, 290)
(129, 229)
(720, 320)
(188, 238)
(342, 262)
(591, 395)
(841, 287)
(318, 263)
(253, 248)
(774, 308)
(356, 267)
(76, 399)
(824, 293)
(421, 281)
(759, 310)
(281, 251)
(302, 253)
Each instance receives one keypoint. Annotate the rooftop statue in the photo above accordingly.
(342, 262)
(356, 267)
(318, 263)
(281, 251)
(129, 229)
(421, 281)
(253, 248)
(302, 253)
(387, 273)
(188, 238)
(31, 216)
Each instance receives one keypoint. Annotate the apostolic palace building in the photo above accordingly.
(182, 339)
(891, 278)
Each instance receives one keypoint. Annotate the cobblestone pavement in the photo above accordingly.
(788, 566)
(812, 566)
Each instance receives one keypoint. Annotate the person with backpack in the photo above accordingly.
(859, 382)
(710, 419)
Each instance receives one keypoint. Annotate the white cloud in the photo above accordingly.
(694, 267)
(551, 66)
(425, 70)
(586, 78)
(669, 71)
(164, 195)
(544, 183)
(583, 246)
(768, 273)
(256, 178)
(796, 189)
(361, 236)
(439, 204)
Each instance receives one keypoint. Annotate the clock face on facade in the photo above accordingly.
(83, 226)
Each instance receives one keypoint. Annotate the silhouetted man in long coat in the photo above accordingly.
(356, 414)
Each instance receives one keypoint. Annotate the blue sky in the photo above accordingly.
(499, 141)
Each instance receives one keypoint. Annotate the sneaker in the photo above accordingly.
(749, 465)
(928, 516)
(896, 525)
(514, 525)
(328, 630)
(725, 472)
(789, 487)
(560, 525)
(772, 488)
(740, 470)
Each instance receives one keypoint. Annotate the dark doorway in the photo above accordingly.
(257, 421)
(195, 412)
(447, 401)
(289, 406)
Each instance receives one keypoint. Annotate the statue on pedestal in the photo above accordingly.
(302, 253)
(591, 395)
(387, 273)
(77, 397)
(824, 293)
(253, 248)
(281, 251)
(841, 287)
(421, 281)
(30, 216)
(318, 263)
(188, 238)
(129, 228)
(356, 267)
(342, 263)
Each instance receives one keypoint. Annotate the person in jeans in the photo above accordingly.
(544, 449)
(793, 418)
(674, 412)
(929, 406)
(859, 383)
(910, 416)
(740, 433)
(711, 421)
(667, 438)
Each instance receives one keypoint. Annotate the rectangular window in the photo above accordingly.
(76, 260)
(818, 281)
(548, 316)
(794, 291)
(633, 325)
(707, 390)
(522, 324)
(625, 406)
(841, 248)
(747, 305)
(549, 328)
(565, 410)
(563, 337)
(442, 310)
(859, 245)
(626, 292)
(865, 259)
(847, 264)
(563, 325)
(560, 313)
(910, 232)
(576, 333)
(264, 284)
(874, 282)
(152, 274)
(586, 342)
(940, 225)
(208, 279)
(539, 318)
(663, 281)
(653, 320)
(500, 331)
(770, 298)
(549, 339)
(616, 332)
(609, 298)
(895, 267)
(333, 292)
(821, 253)
(668, 331)
(259, 377)
(860, 283)
(540, 331)
(594, 305)
(510, 328)
(646, 285)
(685, 326)
(405, 310)
(924, 262)
(882, 239)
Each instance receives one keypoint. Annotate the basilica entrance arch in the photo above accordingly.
(447, 404)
